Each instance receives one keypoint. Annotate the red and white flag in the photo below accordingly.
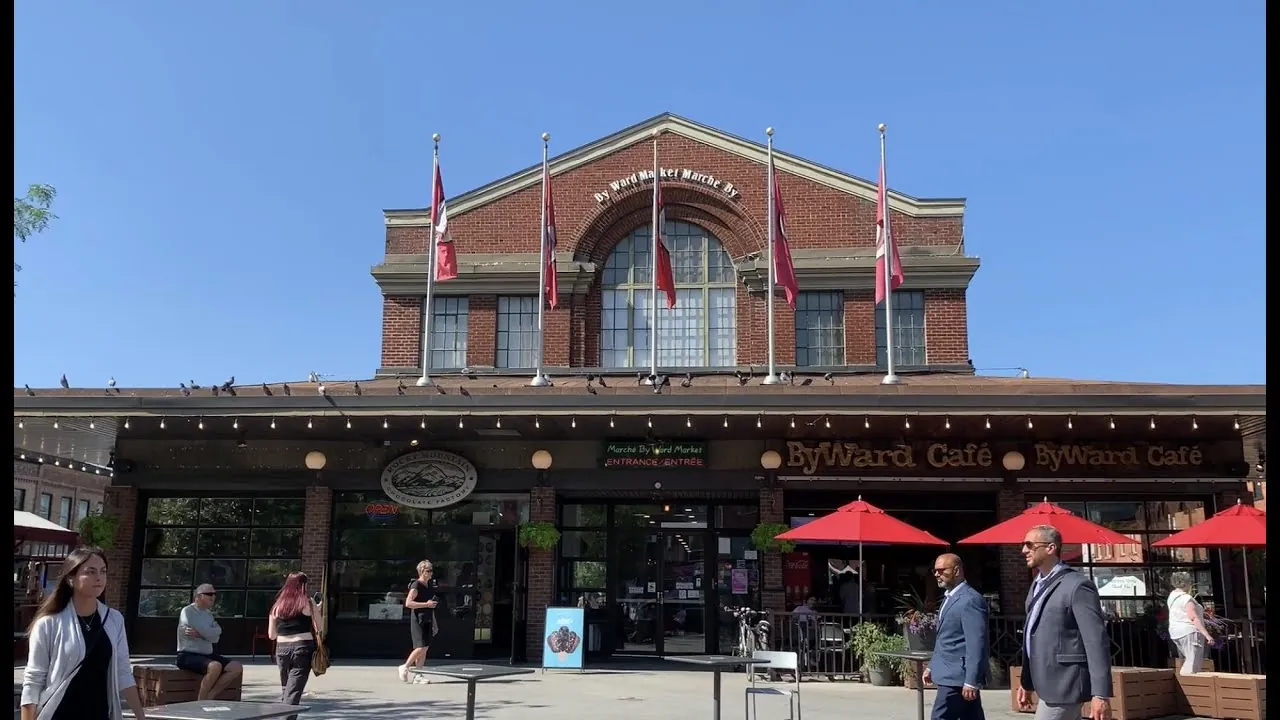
(885, 244)
(446, 265)
(784, 272)
(552, 285)
(664, 277)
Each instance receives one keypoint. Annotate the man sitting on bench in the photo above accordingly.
(197, 632)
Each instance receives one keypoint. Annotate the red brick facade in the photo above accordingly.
(819, 217)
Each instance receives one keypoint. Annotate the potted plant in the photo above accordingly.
(539, 535)
(99, 530)
(869, 639)
(764, 537)
(919, 622)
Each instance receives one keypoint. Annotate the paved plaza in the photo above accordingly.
(651, 690)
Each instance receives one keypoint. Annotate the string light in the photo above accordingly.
(1153, 422)
(1030, 425)
(1194, 425)
(1235, 424)
(235, 424)
(55, 424)
(161, 423)
(385, 424)
(459, 422)
(866, 422)
(498, 423)
(906, 422)
(759, 421)
(1069, 425)
(126, 423)
(688, 421)
(827, 422)
(348, 423)
(92, 425)
(536, 422)
(573, 422)
(946, 422)
(273, 423)
(200, 424)
(309, 425)
(610, 421)
(793, 422)
(22, 425)
(422, 424)
(649, 421)
(726, 421)
(1111, 422)
(988, 422)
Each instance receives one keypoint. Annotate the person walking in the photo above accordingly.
(1068, 660)
(1186, 624)
(293, 624)
(422, 601)
(959, 666)
(78, 657)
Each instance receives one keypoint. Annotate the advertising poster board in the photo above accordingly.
(564, 638)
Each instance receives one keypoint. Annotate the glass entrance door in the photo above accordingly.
(660, 584)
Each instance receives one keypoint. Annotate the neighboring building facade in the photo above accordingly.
(56, 493)
(655, 496)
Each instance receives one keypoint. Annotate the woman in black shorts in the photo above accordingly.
(422, 602)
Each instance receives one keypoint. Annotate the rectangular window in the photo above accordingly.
(449, 333)
(243, 546)
(82, 511)
(820, 329)
(64, 512)
(46, 506)
(19, 499)
(98, 509)
(908, 331)
(517, 332)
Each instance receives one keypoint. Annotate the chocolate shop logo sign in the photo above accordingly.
(645, 177)
(429, 479)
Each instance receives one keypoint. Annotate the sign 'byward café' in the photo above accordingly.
(810, 458)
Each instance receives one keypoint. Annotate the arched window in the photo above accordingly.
(700, 331)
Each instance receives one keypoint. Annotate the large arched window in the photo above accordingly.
(700, 331)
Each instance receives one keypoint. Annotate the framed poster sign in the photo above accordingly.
(564, 638)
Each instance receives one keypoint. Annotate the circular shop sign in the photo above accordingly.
(429, 479)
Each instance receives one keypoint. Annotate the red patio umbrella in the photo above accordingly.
(1075, 529)
(1242, 526)
(861, 522)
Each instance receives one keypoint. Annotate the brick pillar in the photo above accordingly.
(772, 596)
(120, 502)
(315, 532)
(1015, 579)
(542, 508)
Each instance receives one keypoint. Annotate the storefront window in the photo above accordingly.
(242, 546)
(1134, 580)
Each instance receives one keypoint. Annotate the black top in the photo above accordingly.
(88, 696)
(470, 672)
(715, 660)
(426, 592)
(297, 625)
(221, 710)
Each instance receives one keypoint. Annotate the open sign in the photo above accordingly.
(382, 511)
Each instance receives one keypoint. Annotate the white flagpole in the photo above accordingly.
(428, 308)
(890, 378)
(539, 379)
(653, 271)
(772, 378)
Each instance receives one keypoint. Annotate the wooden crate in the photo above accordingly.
(1137, 693)
(1241, 697)
(1197, 695)
(1176, 663)
(166, 684)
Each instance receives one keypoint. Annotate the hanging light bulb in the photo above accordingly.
(649, 421)
(200, 424)
(55, 424)
(422, 424)
(161, 423)
(1030, 425)
(573, 422)
(1153, 422)
(459, 422)
(126, 423)
(946, 422)
(866, 422)
(536, 422)
(726, 421)
(1194, 425)
(235, 424)
(1069, 424)
(906, 422)
(1235, 424)
(1111, 422)
(988, 422)
(759, 421)
(688, 421)
(309, 425)
(273, 423)
(22, 424)
(827, 422)
(385, 424)
(610, 421)
(92, 425)
(793, 421)
(498, 422)
(348, 423)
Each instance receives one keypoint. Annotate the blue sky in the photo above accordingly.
(221, 174)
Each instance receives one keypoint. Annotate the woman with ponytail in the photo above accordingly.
(78, 657)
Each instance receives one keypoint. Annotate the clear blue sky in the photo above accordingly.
(222, 168)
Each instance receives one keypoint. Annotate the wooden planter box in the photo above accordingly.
(1197, 695)
(1240, 697)
(1176, 664)
(1138, 693)
(166, 684)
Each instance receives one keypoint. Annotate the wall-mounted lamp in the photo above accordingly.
(770, 460)
(315, 460)
(1013, 461)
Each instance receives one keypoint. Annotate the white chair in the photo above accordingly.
(778, 661)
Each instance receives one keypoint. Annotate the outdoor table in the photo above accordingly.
(472, 674)
(221, 710)
(717, 663)
(917, 660)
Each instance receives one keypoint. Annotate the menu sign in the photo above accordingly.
(656, 454)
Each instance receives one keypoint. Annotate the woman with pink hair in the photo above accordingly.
(292, 625)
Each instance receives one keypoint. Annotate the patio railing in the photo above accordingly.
(822, 641)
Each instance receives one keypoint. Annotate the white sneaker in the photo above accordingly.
(403, 672)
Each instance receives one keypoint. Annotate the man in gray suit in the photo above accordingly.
(1068, 658)
(959, 666)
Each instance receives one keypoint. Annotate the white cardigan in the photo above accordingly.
(55, 648)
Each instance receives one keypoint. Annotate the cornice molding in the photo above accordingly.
(512, 273)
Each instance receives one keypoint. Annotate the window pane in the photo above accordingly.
(172, 511)
(160, 542)
(582, 544)
(1201, 578)
(221, 543)
(583, 515)
(273, 542)
(1174, 516)
(820, 329)
(517, 332)
(449, 333)
(230, 604)
(1123, 517)
(588, 575)
(1176, 555)
(221, 573)
(162, 603)
(167, 573)
(258, 603)
(737, 516)
(908, 330)
(270, 573)
(278, 512)
(225, 512)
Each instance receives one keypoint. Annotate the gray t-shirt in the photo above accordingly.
(202, 622)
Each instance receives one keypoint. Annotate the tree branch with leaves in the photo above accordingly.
(31, 214)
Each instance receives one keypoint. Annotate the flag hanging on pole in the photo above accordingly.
(885, 244)
(664, 276)
(552, 285)
(784, 272)
(446, 260)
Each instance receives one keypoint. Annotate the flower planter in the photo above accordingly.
(880, 676)
(920, 642)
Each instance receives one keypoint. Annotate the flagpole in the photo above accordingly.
(429, 310)
(890, 378)
(539, 379)
(653, 270)
(772, 378)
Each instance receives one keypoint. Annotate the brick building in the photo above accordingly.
(655, 495)
(58, 493)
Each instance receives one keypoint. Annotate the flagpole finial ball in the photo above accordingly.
(768, 131)
(435, 138)
(546, 137)
(883, 127)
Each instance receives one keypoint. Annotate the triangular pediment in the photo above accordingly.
(711, 137)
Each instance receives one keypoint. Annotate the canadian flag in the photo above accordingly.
(665, 278)
(549, 239)
(784, 272)
(446, 256)
(884, 243)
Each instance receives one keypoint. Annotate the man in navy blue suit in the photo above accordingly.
(959, 665)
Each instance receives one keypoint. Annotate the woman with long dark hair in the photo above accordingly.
(292, 625)
(78, 657)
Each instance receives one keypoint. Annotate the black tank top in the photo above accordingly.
(296, 625)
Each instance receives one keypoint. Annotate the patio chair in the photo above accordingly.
(779, 661)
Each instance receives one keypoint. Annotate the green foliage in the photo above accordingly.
(764, 537)
(868, 639)
(31, 214)
(98, 529)
(540, 535)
